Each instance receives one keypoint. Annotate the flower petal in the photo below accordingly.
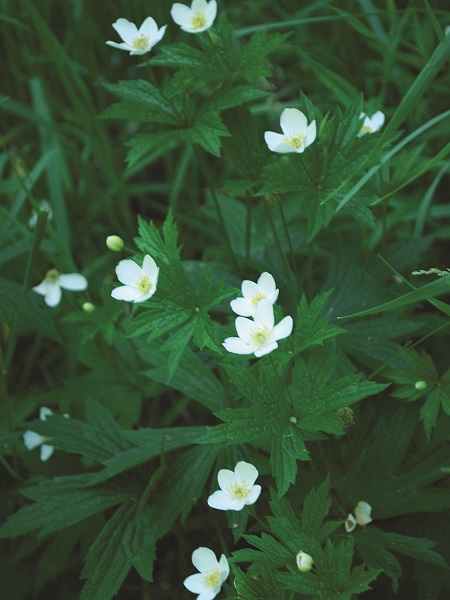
(127, 293)
(53, 295)
(121, 46)
(149, 28)
(264, 314)
(128, 272)
(238, 346)
(242, 307)
(41, 288)
(219, 500)
(377, 120)
(199, 6)
(244, 327)
(211, 11)
(266, 349)
(204, 559)
(253, 495)
(293, 120)
(225, 478)
(275, 141)
(181, 14)
(246, 471)
(350, 523)
(73, 282)
(282, 329)
(267, 283)
(46, 452)
(159, 35)
(224, 567)
(45, 412)
(310, 134)
(249, 288)
(126, 29)
(150, 268)
(32, 440)
(194, 583)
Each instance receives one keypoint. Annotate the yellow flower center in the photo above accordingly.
(52, 275)
(296, 140)
(366, 129)
(211, 578)
(239, 491)
(198, 20)
(141, 42)
(257, 297)
(259, 335)
(143, 284)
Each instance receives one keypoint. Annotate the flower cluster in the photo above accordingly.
(260, 335)
(199, 17)
(362, 516)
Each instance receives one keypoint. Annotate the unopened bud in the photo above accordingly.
(88, 307)
(304, 562)
(114, 243)
(420, 385)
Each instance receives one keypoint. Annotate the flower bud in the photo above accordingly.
(363, 511)
(88, 307)
(304, 562)
(420, 385)
(114, 243)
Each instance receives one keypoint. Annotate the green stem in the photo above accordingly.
(282, 255)
(288, 237)
(248, 227)
(209, 183)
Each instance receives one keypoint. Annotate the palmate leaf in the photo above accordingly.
(310, 327)
(253, 60)
(263, 587)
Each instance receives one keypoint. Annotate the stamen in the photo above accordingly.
(366, 129)
(141, 42)
(198, 20)
(211, 578)
(143, 284)
(257, 297)
(259, 335)
(296, 140)
(239, 491)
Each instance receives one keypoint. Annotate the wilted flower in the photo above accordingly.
(236, 488)
(50, 288)
(140, 283)
(137, 41)
(350, 523)
(196, 19)
(114, 243)
(32, 440)
(304, 562)
(212, 574)
(264, 289)
(297, 134)
(259, 336)
(363, 511)
(44, 205)
(371, 124)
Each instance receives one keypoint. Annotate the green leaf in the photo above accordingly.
(310, 328)
(253, 59)
(206, 130)
(287, 447)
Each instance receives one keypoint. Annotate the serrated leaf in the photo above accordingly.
(287, 447)
(253, 60)
(310, 328)
(206, 131)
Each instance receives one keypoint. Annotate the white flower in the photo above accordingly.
(297, 134)
(259, 336)
(137, 41)
(304, 562)
(350, 523)
(50, 288)
(362, 513)
(371, 124)
(212, 574)
(264, 289)
(32, 440)
(196, 19)
(236, 488)
(140, 283)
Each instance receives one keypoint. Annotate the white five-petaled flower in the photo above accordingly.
(236, 488)
(363, 511)
(259, 336)
(139, 283)
(264, 289)
(196, 19)
(50, 288)
(212, 574)
(32, 440)
(371, 124)
(297, 134)
(137, 41)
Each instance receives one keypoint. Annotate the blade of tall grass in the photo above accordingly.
(424, 209)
